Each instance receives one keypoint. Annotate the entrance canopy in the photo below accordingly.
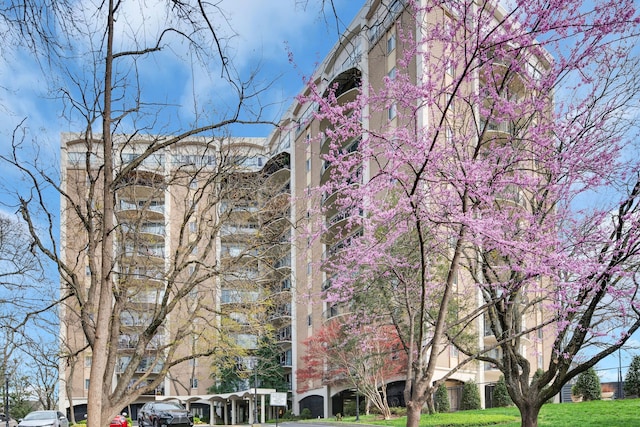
(222, 401)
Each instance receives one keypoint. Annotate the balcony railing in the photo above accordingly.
(144, 205)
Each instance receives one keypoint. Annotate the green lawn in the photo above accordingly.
(612, 413)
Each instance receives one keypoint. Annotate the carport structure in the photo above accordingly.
(228, 403)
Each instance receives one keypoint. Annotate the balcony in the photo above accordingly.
(149, 209)
(283, 263)
(147, 364)
(234, 296)
(511, 194)
(286, 359)
(149, 231)
(334, 311)
(248, 228)
(281, 311)
(284, 334)
(145, 251)
(146, 297)
(141, 185)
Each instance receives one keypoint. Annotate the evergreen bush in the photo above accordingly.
(305, 414)
(470, 396)
(588, 385)
(441, 399)
(501, 396)
(632, 379)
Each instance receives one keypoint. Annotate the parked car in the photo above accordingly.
(3, 421)
(157, 414)
(44, 419)
(118, 421)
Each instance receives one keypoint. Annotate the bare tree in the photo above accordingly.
(119, 251)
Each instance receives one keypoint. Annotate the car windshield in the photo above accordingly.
(169, 407)
(41, 415)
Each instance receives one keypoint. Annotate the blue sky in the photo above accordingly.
(258, 35)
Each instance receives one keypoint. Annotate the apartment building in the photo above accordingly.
(232, 203)
(200, 226)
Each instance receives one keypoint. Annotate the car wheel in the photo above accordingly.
(156, 423)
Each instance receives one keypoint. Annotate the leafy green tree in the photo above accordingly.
(632, 379)
(270, 371)
(588, 385)
(470, 396)
(501, 396)
(228, 373)
(442, 399)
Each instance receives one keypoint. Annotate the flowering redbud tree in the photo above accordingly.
(493, 186)
(365, 357)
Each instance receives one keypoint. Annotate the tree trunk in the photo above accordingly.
(414, 410)
(430, 404)
(529, 412)
(98, 386)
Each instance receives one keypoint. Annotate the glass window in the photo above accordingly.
(391, 42)
(393, 112)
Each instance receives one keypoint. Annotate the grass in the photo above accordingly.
(619, 413)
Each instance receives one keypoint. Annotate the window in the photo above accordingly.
(392, 73)
(308, 269)
(449, 135)
(193, 227)
(391, 42)
(454, 351)
(87, 361)
(392, 112)
(451, 68)
(86, 383)
(308, 165)
(309, 322)
(87, 271)
(193, 184)
(194, 383)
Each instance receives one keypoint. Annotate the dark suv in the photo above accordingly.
(164, 414)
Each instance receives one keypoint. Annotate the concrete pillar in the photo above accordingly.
(212, 413)
(262, 409)
(225, 410)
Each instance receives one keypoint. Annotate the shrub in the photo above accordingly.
(349, 408)
(305, 414)
(588, 385)
(632, 379)
(441, 400)
(470, 396)
(288, 415)
(398, 410)
(501, 396)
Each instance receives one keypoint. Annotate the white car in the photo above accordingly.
(44, 419)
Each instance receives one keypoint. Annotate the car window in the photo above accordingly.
(40, 416)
